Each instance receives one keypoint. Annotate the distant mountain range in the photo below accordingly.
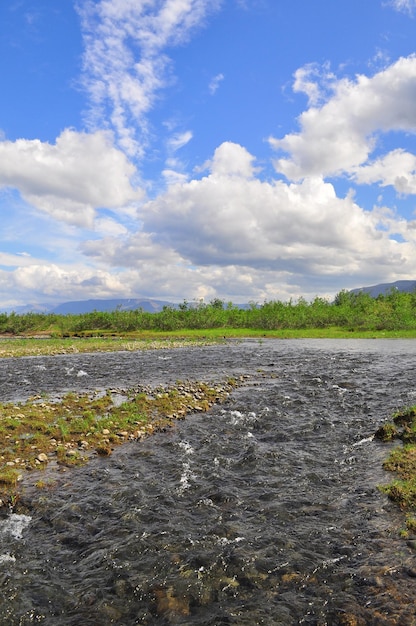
(87, 306)
(383, 288)
(153, 306)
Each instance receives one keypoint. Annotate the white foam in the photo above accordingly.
(242, 418)
(15, 524)
(363, 441)
(186, 477)
(7, 558)
(186, 447)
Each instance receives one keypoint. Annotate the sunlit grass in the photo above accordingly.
(162, 340)
(18, 347)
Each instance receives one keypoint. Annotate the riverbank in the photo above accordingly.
(402, 461)
(99, 341)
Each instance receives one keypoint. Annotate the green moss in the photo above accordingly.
(411, 523)
(387, 432)
(9, 478)
(69, 431)
(402, 460)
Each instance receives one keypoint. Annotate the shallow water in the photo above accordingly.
(263, 511)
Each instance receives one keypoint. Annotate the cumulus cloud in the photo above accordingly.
(397, 168)
(51, 282)
(231, 219)
(339, 136)
(71, 178)
(125, 60)
(233, 160)
(230, 235)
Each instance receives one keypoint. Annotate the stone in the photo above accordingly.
(42, 457)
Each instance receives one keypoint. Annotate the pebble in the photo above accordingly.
(42, 458)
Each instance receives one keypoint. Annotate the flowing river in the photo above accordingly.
(265, 510)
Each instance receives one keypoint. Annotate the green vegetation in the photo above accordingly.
(68, 432)
(17, 346)
(402, 461)
(394, 312)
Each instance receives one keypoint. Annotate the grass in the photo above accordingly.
(157, 340)
(402, 461)
(48, 346)
(69, 431)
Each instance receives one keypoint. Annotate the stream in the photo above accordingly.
(264, 510)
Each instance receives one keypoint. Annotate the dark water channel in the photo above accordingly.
(263, 511)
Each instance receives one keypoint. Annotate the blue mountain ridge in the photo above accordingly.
(153, 306)
(384, 288)
(77, 307)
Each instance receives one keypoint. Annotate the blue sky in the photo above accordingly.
(182, 149)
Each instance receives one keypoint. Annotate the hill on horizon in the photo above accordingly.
(384, 288)
(77, 307)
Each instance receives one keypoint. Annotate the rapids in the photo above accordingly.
(265, 510)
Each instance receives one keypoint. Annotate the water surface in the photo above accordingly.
(263, 511)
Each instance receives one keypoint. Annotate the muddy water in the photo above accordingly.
(263, 511)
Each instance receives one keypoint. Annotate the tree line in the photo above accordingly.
(350, 311)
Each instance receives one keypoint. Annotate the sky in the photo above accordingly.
(247, 150)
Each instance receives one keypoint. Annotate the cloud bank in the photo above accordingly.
(224, 228)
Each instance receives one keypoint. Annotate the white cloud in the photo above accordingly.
(71, 178)
(406, 6)
(125, 65)
(15, 260)
(179, 140)
(215, 83)
(229, 235)
(232, 219)
(106, 226)
(232, 159)
(315, 81)
(339, 136)
(172, 176)
(397, 168)
(54, 283)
